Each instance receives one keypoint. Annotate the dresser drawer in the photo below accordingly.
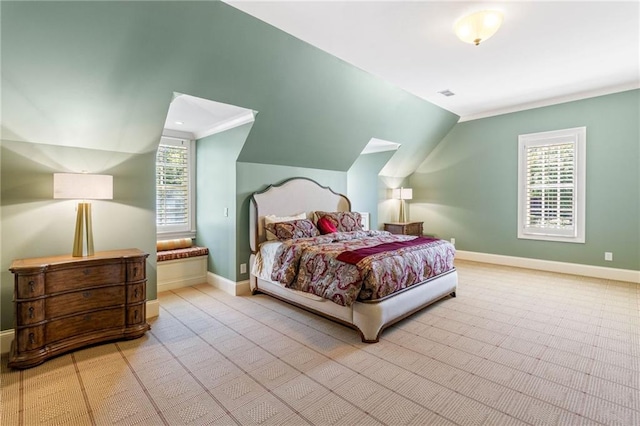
(84, 300)
(414, 229)
(30, 338)
(136, 270)
(75, 278)
(404, 228)
(136, 293)
(28, 286)
(136, 314)
(30, 312)
(91, 322)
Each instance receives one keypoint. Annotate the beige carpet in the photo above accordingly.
(515, 347)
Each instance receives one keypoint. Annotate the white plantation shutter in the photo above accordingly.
(173, 186)
(551, 185)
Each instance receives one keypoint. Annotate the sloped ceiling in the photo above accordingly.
(545, 52)
(101, 75)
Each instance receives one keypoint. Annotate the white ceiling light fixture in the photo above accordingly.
(478, 26)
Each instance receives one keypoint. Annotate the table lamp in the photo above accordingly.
(82, 186)
(403, 194)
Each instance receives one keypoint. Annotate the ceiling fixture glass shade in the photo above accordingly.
(478, 26)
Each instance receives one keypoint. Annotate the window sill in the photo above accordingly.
(175, 234)
(556, 238)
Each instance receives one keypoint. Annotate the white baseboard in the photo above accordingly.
(233, 288)
(6, 336)
(179, 273)
(552, 266)
(153, 308)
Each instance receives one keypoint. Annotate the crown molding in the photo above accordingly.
(240, 119)
(553, 101)
(178, 134)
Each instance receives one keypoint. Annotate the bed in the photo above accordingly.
(302, 197)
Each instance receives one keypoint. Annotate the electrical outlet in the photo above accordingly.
(243, 268)
(608, 256)
(453, 241)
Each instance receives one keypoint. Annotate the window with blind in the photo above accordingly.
(551, 185)
(174, 198)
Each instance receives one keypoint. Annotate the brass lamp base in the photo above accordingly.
(403, 216)
(83, 222)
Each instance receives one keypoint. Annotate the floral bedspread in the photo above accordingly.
(310, 264)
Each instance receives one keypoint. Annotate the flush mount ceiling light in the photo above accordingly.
(478, 26)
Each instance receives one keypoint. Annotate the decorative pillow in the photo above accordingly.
(177, 243)
(325, 226)
(302, 228)
(270, 219)
(343, 221)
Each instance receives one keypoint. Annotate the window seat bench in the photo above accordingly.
(181, 267)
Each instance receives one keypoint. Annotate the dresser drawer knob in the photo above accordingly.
(32, 338)
(135, 271)
(135, 315)
(32, 286)
(87, 317)
(135, 293)
(86, 294)
(86, 271)
(31, 312)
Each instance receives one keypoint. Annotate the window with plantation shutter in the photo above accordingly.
(174, 175)
(551, 185)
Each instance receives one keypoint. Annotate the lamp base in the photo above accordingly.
(83, 223)
(402, 217)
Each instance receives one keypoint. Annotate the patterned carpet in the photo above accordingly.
(515, 347)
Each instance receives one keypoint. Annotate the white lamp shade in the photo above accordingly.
(406, 193)
(403, 193)
(82, 186)
(478, 26)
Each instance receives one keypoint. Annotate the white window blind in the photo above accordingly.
(173, 187)
(551, 185)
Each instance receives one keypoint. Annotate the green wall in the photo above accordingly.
(34, 224)
(216, 191)
(102, 74)
(362, 184)
(467, 187)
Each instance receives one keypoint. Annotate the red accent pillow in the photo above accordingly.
(326, 226)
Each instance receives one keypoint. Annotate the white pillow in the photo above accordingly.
(274, 219)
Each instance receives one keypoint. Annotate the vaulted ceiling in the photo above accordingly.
(102, 75)
(545, 52)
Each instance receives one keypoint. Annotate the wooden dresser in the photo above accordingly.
(404, 228)
(63, 303)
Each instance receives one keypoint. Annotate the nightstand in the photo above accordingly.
(404, 228)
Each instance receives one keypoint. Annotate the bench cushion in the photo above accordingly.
(182, 253)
